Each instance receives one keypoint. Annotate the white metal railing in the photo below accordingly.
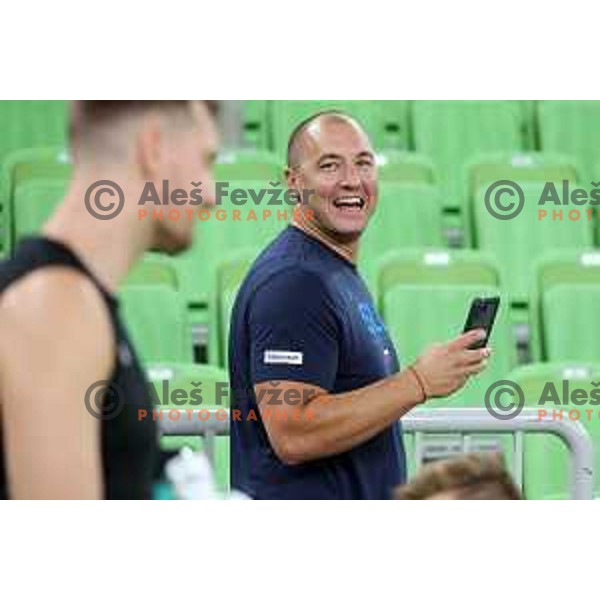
(458, 421)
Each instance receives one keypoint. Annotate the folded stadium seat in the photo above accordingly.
(571, 326)
(157, 321)
(423, 314)
(406, 167)
(517, 242)
(246, 164)
(21, 167)
(434, 266)
(520, 167)
(377, 117)
(454, 132)
(32, 123)
(255, 124)
(572, 127)
(202, 386)
(546, 458)
(407, 215)
(570, 271)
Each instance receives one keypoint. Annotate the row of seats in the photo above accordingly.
(423, 296)
(450, 133)
(409, 214)
(411, 197)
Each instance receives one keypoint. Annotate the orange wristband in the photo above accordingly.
(419, 380)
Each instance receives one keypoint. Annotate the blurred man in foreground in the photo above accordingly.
(60, 329)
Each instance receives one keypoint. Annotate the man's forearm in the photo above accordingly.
(330, 424)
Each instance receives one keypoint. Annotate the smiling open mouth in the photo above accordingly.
(350, 203)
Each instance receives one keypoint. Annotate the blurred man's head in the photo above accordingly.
(466, 477)
(150, 141)
(331, 154)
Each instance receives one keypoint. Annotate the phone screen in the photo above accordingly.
(482, 315)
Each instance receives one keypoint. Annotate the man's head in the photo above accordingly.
(331, 154)
(466, 477)
(150, 141)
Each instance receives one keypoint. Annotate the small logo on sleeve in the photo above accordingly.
(283, 357)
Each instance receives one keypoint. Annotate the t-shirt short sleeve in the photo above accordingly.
(294, 330)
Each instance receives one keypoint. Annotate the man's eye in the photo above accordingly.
(329, 166)
(364, 164)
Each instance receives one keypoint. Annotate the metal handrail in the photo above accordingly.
(463, 421)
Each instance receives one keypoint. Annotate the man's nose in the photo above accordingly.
(350, 178)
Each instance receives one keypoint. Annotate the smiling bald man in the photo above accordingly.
(316, 382)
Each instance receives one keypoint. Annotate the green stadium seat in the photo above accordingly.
(518, 242)
(156, 318)
(453, 133)
(420, 315)
(572, 127)
(407, 215)
(565, 268)
(22, 167)
(434, 266)
(571, 324)
(32, 123)
(405, 167)
(546, 469)
(521, 167)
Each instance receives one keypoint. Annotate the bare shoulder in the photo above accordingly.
(53, 308)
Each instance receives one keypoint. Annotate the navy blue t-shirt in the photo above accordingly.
(304, 314)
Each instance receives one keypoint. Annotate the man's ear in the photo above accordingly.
(292, 178)
(149, 148)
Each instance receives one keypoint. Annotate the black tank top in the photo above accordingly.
(129, 443)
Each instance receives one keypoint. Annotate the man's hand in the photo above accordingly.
(445, 368)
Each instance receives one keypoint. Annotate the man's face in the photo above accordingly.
(188, 159)
(337, 161)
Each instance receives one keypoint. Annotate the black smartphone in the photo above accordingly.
(482, 315)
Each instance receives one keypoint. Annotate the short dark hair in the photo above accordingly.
(298, 131)
(470, 476)
(88, 114)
